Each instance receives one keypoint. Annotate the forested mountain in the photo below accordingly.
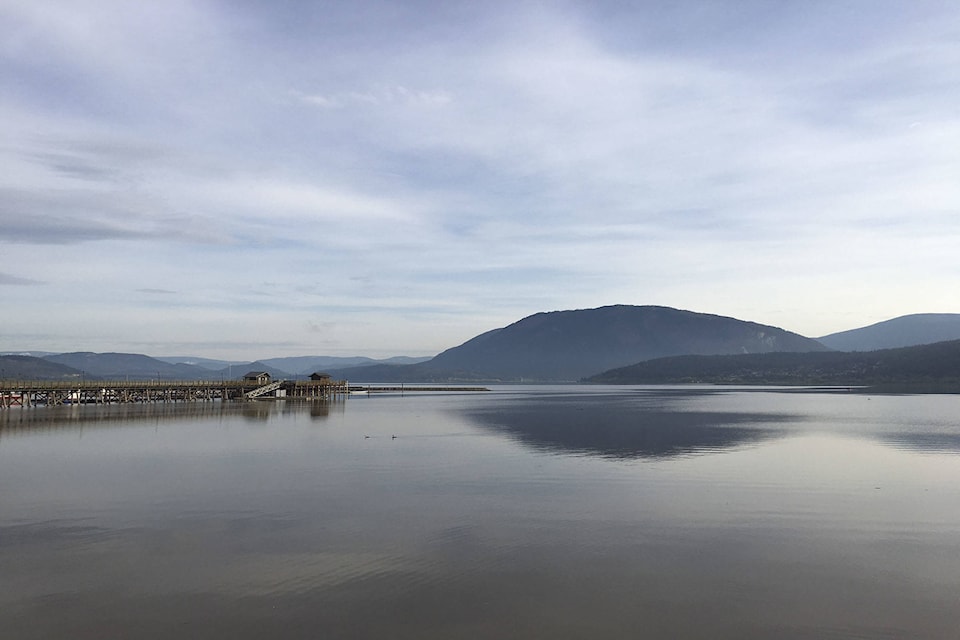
(33, 368)
(569, 345)
(937, 363)
(905, 331)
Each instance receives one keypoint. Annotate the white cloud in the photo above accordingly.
(382, 96)
(278, 201)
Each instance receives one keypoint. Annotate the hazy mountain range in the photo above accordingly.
(135, 366)
(297, 365)
(544, 347)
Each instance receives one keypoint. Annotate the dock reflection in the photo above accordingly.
(21, 420)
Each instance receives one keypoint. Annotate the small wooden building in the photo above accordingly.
(320, 377)
(260, 377)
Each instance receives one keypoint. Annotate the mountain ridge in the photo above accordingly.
(549, 346)
(902, 331)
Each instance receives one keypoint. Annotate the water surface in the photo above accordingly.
(527, 512)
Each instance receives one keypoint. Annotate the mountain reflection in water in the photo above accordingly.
(624, 427)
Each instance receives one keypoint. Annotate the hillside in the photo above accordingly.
(905, 331)
(33, 368)
(569, 345)
(133, 366)
(937, 363)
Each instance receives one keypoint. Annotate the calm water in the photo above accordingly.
(566, 512)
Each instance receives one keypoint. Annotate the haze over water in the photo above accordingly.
(527, 512)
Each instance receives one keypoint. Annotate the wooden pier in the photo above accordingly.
(33, 393)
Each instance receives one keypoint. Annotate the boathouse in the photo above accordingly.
(260, 377)
(320, 377)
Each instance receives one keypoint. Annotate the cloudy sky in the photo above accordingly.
(251, 179)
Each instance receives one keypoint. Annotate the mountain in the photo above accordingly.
(203, 363)
(289, 367)
(135, 366)
(414, 373)
(237, 371)
(405, 359)
(305, 365)
(931, 364)
(33, 368)
(569, 345)
(905, 331)
(128, 365)
(35, 354)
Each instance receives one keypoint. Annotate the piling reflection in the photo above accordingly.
(21, 420)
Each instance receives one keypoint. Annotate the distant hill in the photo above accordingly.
(204, 363)
(33, 368)
(937, 363)
(305, 365)
(569, 345)
(136, 366)
(405, 359)
(237, 371)
(133, 366)
(905, 331)
(413, 373)
(35, 354)
(287, 367)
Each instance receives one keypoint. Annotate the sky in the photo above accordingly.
(245, 179)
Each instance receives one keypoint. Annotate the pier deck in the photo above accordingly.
(32, 393)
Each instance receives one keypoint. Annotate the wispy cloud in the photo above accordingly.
(157, 292)
(379, 97)
(7, 279)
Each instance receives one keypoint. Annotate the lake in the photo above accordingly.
(525, 512)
